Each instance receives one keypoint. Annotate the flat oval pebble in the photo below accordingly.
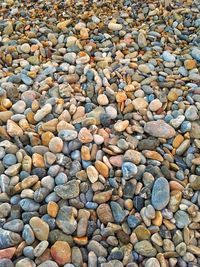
(159, 129)
(160, 193)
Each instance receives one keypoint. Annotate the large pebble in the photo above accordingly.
(159, 129)
(145, 248)
(61, 252)
(160, 193)
(68, 190)
(40, 228)
(66, 221)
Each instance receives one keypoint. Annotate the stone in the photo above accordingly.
(152, 262)
(40, 248)
(68, 190)
(40, 228)
(19, 106)
(92, 174)
(121, 97)
(33, 60)
(194, 182)
(97, 248)
(142, 42)
(129, 170)
(133, 156)
(155, 105)
(5, 209)
(61, 252)
(118, 213)
(116, 161)
(175, 199)
(152, 155)
(195, 53)
(133, 221)
(178, 140)
(13, 129)
(140, 103)
(56, 145)
(104, 213)
(102, 197)
(7, 253)
(67, 135)
(102, 168)
(191, 113)
(52, 209)
(15, 225)
(111, 111)
(121, 126)
(63, 24)
(145, 248)
(25, 48)
(48, 263)
(190, 64)
(43, 112)
(38, 160)
(114, 26)
(167, 56)
(28, 234)
(6, 263)
(8, 239)
(195, 130)
(159, 129)
(9, 159)
(142, 232)
(182, 219)
(160, 194)
(65, 220)
(144, 68)
(58, 235)
(85, 136)
(102, 100)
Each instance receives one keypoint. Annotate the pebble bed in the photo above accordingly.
(99, 133)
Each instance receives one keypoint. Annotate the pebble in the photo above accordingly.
(145, 248)
(68, 190)
(40, 228)
(129, 169)
(92, 174)
(120, 126)
(160, 193)
(99, 134)
(48, 263)
(104, 213)
(118, 213)
(159, 129)
(85, 136)
(7, 253)
(97, 248)
(65, 220)
(6, 263)
(114, 26)
(167, 56)
(182, 219)
(152, 262)
(155, 105)
(56, 145)
(67, 135)
(43, 112)
(61, 252)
